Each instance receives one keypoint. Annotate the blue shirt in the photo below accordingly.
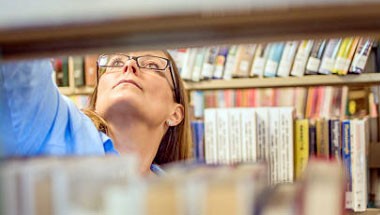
(35, 119)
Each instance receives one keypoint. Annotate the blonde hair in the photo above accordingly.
(176, 143)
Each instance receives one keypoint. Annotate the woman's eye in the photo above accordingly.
(152, 66)
(118, 63)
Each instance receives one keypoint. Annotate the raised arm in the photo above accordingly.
(36, 119)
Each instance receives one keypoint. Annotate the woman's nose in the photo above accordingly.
(131, 66)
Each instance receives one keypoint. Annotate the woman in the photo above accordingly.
(138, 106)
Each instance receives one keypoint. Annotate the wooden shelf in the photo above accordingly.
(369, 211)
(68, 91)
(312, 80)
(36, 32)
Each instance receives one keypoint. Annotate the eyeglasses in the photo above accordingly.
(109, 63)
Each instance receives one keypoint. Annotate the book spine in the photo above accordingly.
(315, 58)
(235, 133)
(335, 139)
(262, 129)
(244, 60)
(65, 70)
(209, 62)
(287, 143)
(90, 67)
(301, 58)
(220, 62)
(346, 156)
(198, 64)
(322, 138)
(274, 57)
(274, 122)
(258, 64)
(78, 71)
(189, 60)
(210, 136)
(230, 62)
(361, 56)
(312, 139)
(223, 136)
(345, 55)
(197, 102)
(287, 58)
(329, 56)
(301, 146)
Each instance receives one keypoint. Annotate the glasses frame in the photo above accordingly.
(135, 58)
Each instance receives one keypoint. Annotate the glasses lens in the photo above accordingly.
(152, 62)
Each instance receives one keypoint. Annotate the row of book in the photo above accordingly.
(81, 69)
(296, 58)
(312, 102)
(238, 135)
(111, 185)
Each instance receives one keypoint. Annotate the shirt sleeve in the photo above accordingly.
(36, 119)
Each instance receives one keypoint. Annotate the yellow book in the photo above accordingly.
(349, 56)
(342, 55)
(301, 146)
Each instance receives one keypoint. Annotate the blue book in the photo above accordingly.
(274, 58)
(197, 128)
(346, 156)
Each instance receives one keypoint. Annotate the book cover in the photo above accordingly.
(315, 58)
(329, 56)
(273, 60)
(287, 58)
(301, 58)
(301, 146)
(361, 56)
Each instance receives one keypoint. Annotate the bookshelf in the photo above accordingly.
(312, 80)
(267, 21)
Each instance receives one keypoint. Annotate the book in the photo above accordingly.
(234, 131)
(312, 138)
(223, 136)
(346, 156)
(301, 146)
(209, 62)
(198, 64)
(273, 60)
(287, 58)
(315, 58)
(329, 56)
(90, 67)
(322, 138)
(301, 58)
(188, 64)
(77, 66)
(345, 54)
(335, 139)
(230, 63)
(259, 60)
(361, 56)
(211, 138)
(249, 136)
(244, 58)
(220, 62)
(197, 128)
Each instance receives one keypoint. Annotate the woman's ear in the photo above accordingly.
(176, 116)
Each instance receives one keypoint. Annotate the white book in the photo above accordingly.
(259, 60)
(262, 134)
(287, 58)
(230, 63)
(197, 99)
(301, 58)
(235, 133)
(359, 165)
(198, 64)
(325, 110)
(189, 60)
(223, 126)
(210, 136)
(209, 62)
(274, 124)
(249, 137)
(287, 143)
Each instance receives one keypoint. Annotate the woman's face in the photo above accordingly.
(144, 93)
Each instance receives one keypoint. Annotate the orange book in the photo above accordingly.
(90, 67)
